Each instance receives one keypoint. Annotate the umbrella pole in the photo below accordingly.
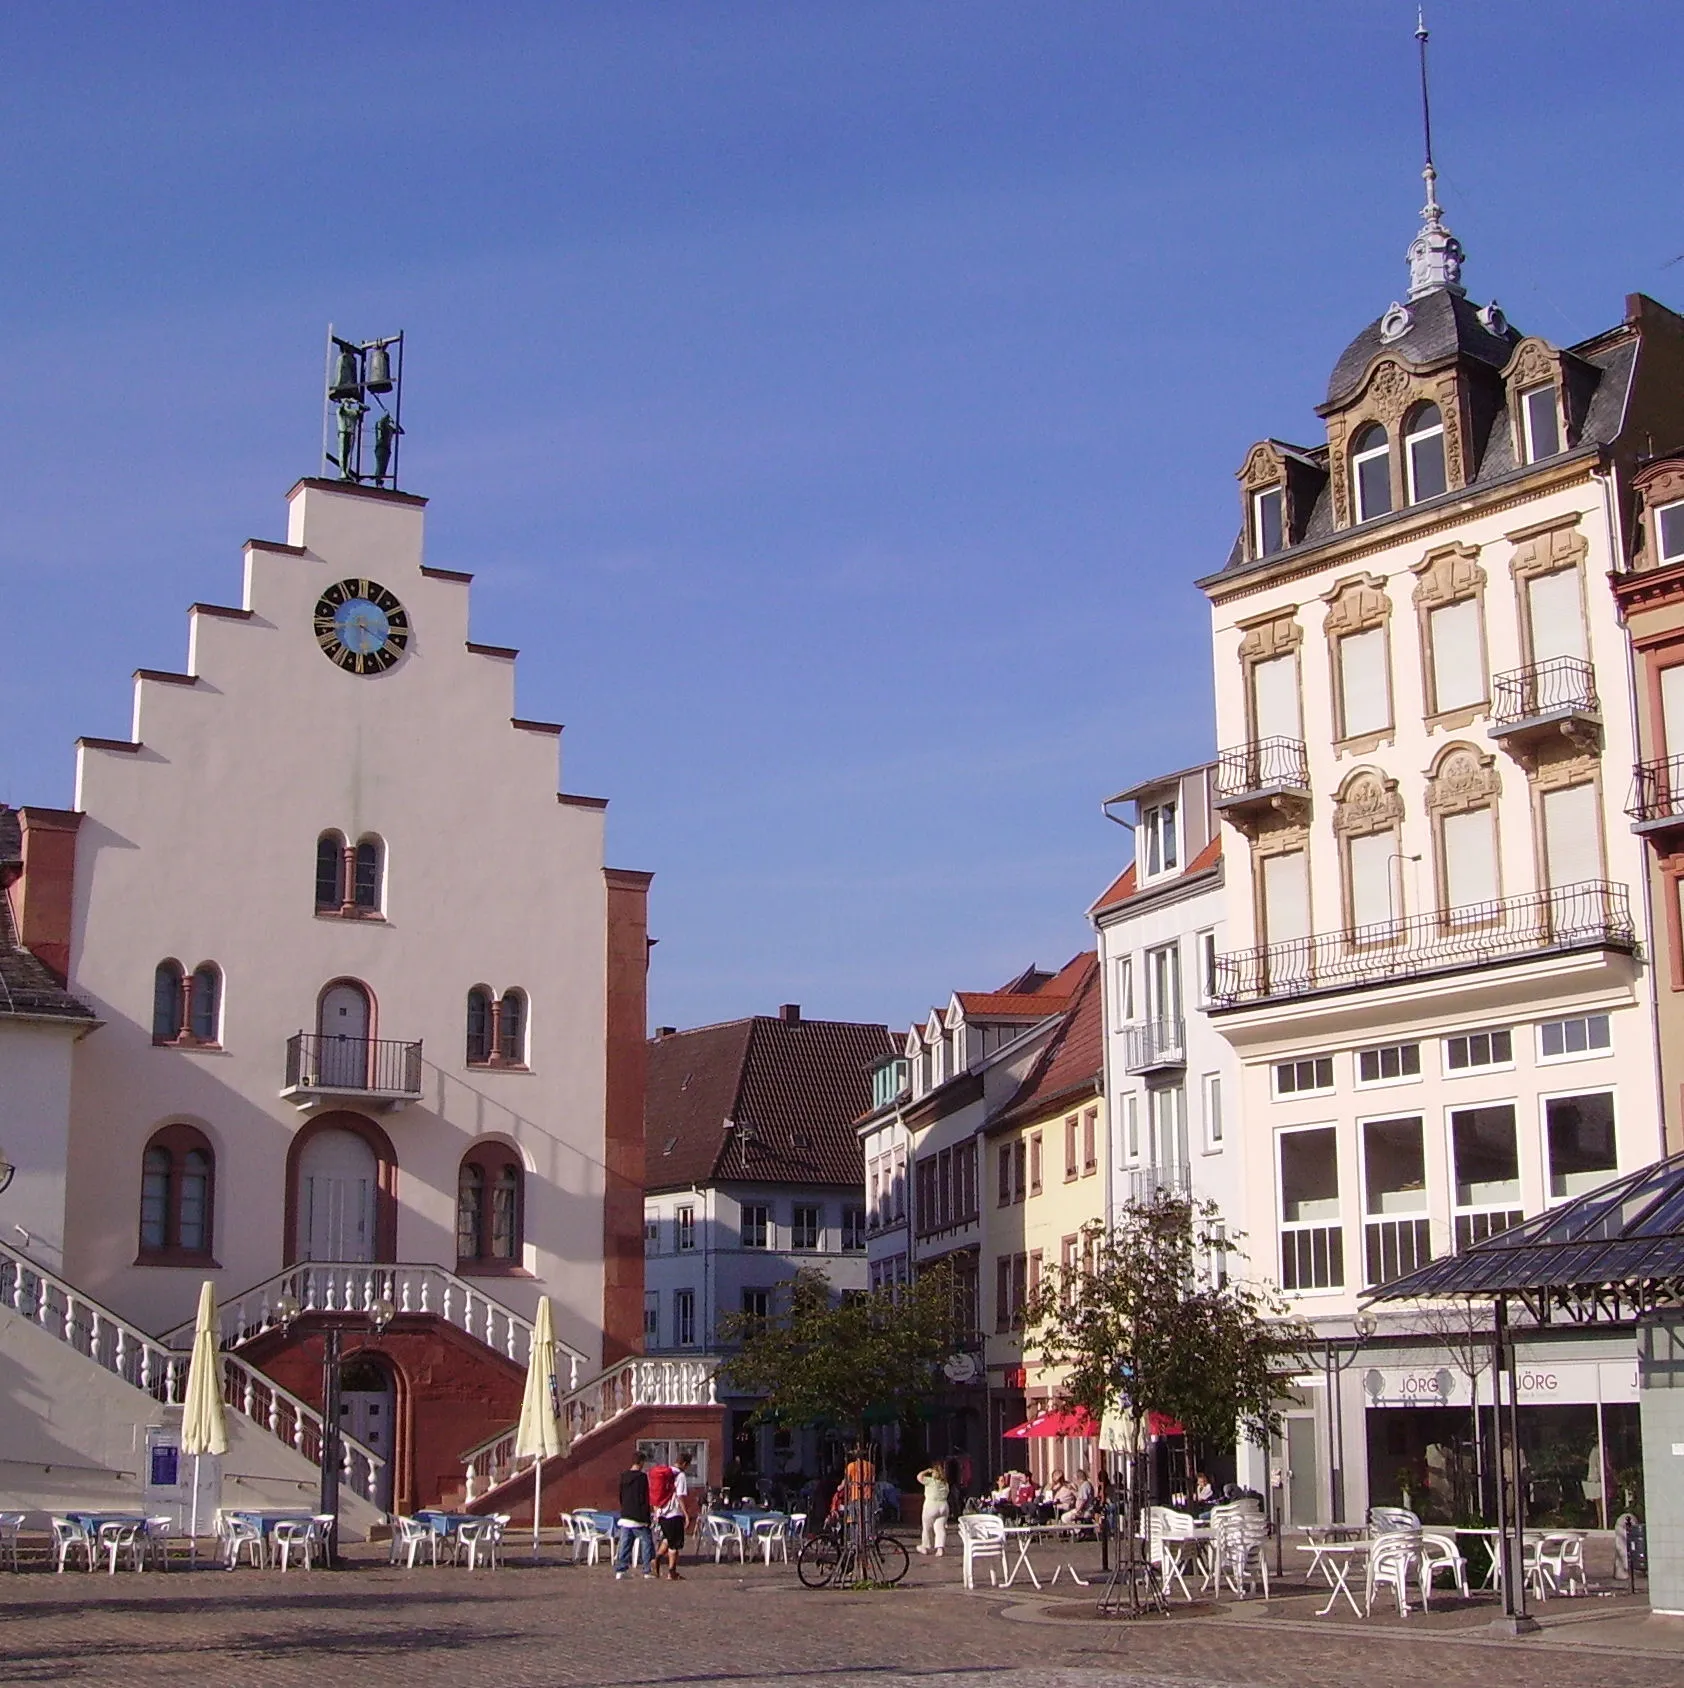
(537, 1502)
(193, 1527)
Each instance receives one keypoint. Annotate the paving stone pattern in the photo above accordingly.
(731, 1627)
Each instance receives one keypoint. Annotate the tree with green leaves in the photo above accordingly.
(866, 1358)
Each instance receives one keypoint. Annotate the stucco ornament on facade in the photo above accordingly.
(1367, 803)
(1276, 634)
(1356, 604)
(1462, 779)
(1547, 549)
(1446, 576)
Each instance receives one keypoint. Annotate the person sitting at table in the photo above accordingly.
(1002, 1492)
(1080, 1510)
(1203, 1496)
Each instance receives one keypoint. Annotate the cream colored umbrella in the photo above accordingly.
(538, 1435)
(204, 1429)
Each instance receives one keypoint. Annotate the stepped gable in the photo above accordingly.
(1073, 1063)
(771, 1099)
(28, 988)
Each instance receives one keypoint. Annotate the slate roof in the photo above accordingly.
(791, 1090)
(1073, 1063)
(1441, 324)
(27, 986)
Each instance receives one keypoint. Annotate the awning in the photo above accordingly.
(1061, 1421)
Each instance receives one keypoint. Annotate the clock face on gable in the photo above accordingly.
(361, 626)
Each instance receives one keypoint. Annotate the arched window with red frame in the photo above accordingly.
(177, 1197)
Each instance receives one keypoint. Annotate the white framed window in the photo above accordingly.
(1485, 1171)
(1471, 1052)
(1457, 654)
(651, 1235)
(1468, 860)
(756, 1224)
(1131, 1125)
(1212, 1088)
(1268, 523)
(1371, 473)
(1274, 699)
(853, 1230)
(1579, 1142)
(1423, 454)
(1396, 1229)
(1159, 844)
(1669, 532)
(1540, 419)
(1204, 950)
(1389, 1063)
(1163, 983)
(1312, 1076)
(1168, 1107)
(1365, 700)
(1369, 886)
(806, 1226)
(1575, 1040)
(1312, 1238)
(1572, 835)
(684, 1318)
(686, 1227)
(1122, 991)
(1286, 898)
(1555, 615)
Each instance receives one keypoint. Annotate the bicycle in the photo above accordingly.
(830, 1558)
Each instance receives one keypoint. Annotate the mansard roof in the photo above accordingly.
(1441, 325)
(770, 1099)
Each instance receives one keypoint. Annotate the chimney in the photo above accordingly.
(46, 889)
(790, 1013)
(665, 1031)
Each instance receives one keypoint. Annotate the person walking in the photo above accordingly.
(672, 1511)
(934, 1538)
(633, 1527)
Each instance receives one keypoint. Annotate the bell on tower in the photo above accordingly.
(359, 376)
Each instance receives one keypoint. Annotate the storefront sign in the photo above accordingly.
(1544, 1382)
(1416, 1386)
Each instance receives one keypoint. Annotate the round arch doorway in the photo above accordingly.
(368, 1401)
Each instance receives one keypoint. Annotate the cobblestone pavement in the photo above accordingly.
(562, 1626)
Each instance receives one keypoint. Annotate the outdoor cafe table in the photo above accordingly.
(1335, 1560)
(264, 1520)
(444, 1525)
(1022, 1536)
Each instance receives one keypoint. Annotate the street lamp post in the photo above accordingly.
(1334, 1370)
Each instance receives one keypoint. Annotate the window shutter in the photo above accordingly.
(1558, 624)
(1362, 683)
(1572, 835)
(1274, 699)
(1672, 708)
(1370, 861)
(1286, 898)
(1458, 667)
(1470, 859)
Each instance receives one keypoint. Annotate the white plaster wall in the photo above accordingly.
(35, 1060)
(201, 846)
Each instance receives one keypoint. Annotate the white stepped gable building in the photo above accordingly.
(367, 994)
(1435, 976)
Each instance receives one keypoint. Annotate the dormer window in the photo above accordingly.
(1268, 523)
(1669, 533)
(1158, 846)
(1423, 453)
(1541, 422)
(1371, 473)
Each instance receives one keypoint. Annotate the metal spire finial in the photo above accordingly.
(1435, 255)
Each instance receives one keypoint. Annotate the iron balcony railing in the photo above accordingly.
(1657, 791)
(1147, 1183)
(1149, 1045)
(1268, 764)
(1564, 685)
(342, 1065)
(1590, 913)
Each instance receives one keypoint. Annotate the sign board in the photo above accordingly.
(1540, 1383)
(1416, 1386)
(170, 1476)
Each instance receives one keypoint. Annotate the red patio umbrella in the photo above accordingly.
(1060, 1421)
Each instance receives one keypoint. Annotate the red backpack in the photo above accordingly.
(663, 1479)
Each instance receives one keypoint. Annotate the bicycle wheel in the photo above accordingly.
(892, 1560)
(816, 1563)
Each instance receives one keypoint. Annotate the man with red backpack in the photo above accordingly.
(669, 1487)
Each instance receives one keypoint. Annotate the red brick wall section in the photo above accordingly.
(626, 1034)
(46, 889)
(452, 1392)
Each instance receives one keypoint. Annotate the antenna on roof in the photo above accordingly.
(1435, 254)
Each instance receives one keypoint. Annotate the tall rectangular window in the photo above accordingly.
(1267, 523)
(1206, 953)
(1004, 1182)
(1090, 1141)
(1213, 1110)
(1035, 1163)
(1672, 703)
(1580, 1133)
(1457, 659)
(756, 1220)
(686, 1227)
(1131, 1125)
(1469, 845)
(1274, 699)
(1572, 835)
(1669, 532)
(1312, 1240)
(1163, 983)
(1555, 615)
(1020, 1170)
(1485, 1159)
(1122, 992)
(1369, 861)
(805, 1226)
(652, 1318)
(1365, 704)
(1397, 1233)
(1159, 839)
(1542, 423)
(684, 1318)
(853, 1230)
(1286, 898)
(1169, 1126)
(652, 1235)
(757, 1305)
(1071, 1150)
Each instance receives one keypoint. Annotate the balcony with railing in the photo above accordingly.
(1146, 1183)
(1544, 700)
(1595, 913)
(1154, 1046)
(1657, 795)
(376, 1072)
(1262, 774)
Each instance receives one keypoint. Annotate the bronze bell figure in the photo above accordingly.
(346, 384)
(379, 370)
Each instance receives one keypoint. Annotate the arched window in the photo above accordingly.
(1462, 795)
(169, 1001)
(330, 873)
(511, 1028)
(368, 870)
(489, 1200)
(479, 1026)
(1423, 453)
(1371, 472)
(177, 1187)
(205, 1003)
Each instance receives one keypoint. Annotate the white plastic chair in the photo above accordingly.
(1170, 1537)
(589, 1538)
(1388, 1520)
(1440, 1553)
(725, 1533)
(564, 1529)
(412, 1538)
(482, 1538)
(772, 1535)
(1558, 1559)
(70, 1540)
(982, 1536)
(1392, 1559)
(295, 1535)
(1241, 1549)
(240, 1535)
(10, 1524)
(797, 1525)
(117, 1539)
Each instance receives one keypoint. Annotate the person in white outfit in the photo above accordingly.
(934, 1479)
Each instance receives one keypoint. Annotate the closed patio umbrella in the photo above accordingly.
(538, 1434)
(204, 1429)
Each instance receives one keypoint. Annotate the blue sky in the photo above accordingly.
(835, 402)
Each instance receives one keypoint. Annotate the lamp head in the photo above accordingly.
(1366, 1325)
(381, 1314)
(286, 1310)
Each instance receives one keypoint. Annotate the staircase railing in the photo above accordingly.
(358, 1287)
(635, 1382)
(149, 1364)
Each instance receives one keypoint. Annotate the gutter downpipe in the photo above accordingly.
(1616, 539)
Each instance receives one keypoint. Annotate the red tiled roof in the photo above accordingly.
(1123, 886)
(791, 1088)
(1036, 1006)
(1073, 1060)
